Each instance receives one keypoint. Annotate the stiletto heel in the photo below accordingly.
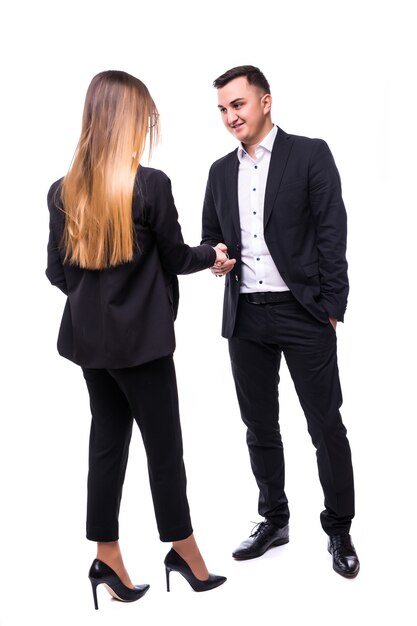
(94, 587)
(175, 563)
(101, 574)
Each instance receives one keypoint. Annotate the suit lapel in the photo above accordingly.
(280, 153)
(232, 195)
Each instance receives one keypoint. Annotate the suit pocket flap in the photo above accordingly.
(312, 269)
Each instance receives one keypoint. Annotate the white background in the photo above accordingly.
(340, 70)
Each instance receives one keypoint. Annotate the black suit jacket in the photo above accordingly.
(304, 225)
(124, 316)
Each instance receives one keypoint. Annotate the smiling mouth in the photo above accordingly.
(236, 126)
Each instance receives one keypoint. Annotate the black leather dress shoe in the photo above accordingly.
(264, 536)
(345, 559)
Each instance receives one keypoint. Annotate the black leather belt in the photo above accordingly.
(268, 297)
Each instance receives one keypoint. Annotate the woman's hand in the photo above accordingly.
(223, 264)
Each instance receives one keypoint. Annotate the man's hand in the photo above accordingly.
(223, 264)
(333, 322)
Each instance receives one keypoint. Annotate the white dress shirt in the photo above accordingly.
(259, 272)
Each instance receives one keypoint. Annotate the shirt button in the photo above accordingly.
(254, 212)
(255, 235)
(257, 258)
(260, 282)
(254, 189)
(256, 167)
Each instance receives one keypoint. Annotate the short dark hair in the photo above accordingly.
(253, 75)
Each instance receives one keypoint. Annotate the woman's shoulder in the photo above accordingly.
(54, 195)
(150, 174)
(151, 184)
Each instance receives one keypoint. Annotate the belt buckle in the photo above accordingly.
(257, 298)
(250, 297)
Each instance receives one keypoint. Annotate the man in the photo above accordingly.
(276, 202)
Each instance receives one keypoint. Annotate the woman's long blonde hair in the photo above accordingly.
(119, 113)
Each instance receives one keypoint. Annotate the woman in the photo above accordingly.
(115, 248)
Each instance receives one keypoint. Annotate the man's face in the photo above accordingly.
(245, 110)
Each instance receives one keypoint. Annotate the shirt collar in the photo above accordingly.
(267, 143)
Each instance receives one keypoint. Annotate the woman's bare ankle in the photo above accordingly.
(109, 552)
(189, 551)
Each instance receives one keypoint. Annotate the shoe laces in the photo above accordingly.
(259, 528)
(342, 543)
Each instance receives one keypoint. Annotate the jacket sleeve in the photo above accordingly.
(211, 230)
(330, 222)
(55, 270)
(176, 256)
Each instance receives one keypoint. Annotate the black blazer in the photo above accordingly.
(304, 225)
(124, 316)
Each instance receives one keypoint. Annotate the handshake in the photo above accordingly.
(223, 264)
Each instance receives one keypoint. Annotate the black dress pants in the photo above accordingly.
(263, 333)
(147, 394)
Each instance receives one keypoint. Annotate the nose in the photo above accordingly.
(231, 117)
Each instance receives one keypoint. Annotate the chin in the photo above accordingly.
(241, 137)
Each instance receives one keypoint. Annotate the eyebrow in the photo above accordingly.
(221, 106)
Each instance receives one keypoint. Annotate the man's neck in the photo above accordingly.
(251, 148)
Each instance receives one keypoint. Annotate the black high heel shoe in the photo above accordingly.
(102, 574)
(175, 563)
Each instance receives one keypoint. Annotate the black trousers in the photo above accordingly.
(263, 333)
(147, 394)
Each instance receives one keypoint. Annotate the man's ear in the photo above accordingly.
(267, 102)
